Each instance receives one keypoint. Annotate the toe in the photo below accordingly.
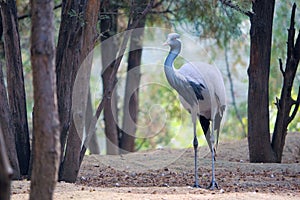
(213, 185)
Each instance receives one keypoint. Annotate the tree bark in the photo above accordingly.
(70, 166)
(6, 171)
(286, 102)
(94, 146)
(109, 50)
(7, 128)
(74, 56)
(131, 99)
(260, 149)
(46, 145)
(15, 83)
(67, 62)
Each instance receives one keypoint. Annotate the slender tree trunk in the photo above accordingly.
(131, 99)
(110, 117)
(67, 64)
(72, 56)
(70, 166)
(109, 50)
(46, 146)
(15, 83)
(286, 102)
(235, 106)
(6, 171)
(94, 144)
(7, 128)
(258, 93)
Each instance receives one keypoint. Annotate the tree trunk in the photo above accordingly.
(46, 146)
(286, 102)
(81, 17)
(6, 171)
(7, 128)
(15, 83)
(258, 93)
(70, 166)
(131, 99)
(67, 63)
(109, 50)
(94, 144)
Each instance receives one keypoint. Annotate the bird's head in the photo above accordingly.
(173, 41)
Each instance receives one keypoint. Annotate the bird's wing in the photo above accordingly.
(197, 88)
(192, 73)
(208, 75)
(193, 78)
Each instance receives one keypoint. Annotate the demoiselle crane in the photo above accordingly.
(202, 92)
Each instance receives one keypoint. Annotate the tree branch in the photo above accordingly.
(157, 4)
(291, 35)
(297, 48)
(281, 67)
(29, 14)
(277, 103)
(296, 103)
(167, 10)
(237, 8)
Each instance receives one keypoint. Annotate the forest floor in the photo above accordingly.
(168, 174)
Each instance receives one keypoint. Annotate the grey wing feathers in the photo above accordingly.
(197, 88)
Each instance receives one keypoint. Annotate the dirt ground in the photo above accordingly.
(168, 174)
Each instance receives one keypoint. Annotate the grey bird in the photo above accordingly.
(201, 91)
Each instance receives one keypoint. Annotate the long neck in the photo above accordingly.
(169, 68)
(170, 58)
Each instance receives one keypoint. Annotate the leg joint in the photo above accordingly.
(195, 142)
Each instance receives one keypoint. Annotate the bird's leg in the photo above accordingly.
(195, 144)
(213, 183)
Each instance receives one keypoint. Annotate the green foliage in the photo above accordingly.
(160, 114)
(232, 129)
(207, 19)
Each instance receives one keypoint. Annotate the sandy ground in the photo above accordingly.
(168, 174)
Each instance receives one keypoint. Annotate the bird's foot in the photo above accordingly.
(213, 185)
(196, 185)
